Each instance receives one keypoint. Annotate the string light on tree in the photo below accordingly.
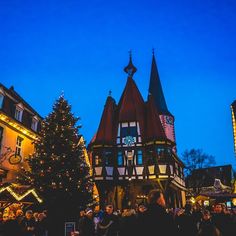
(63, 168)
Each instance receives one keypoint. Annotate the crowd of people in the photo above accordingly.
(148, 219)
(155, 219)
(15, 222)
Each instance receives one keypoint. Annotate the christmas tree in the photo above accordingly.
(58, 170)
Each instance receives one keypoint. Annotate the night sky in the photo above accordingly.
(81, 48)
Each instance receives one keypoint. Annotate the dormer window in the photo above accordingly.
(129, 133)
(1, 100)
(34, 124)
(18, 113)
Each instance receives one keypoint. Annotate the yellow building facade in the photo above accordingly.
(19, 125)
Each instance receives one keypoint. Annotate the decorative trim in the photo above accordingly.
(152, 176)
(121, 170)
(124, 124)
(98, 178)
(132, 124)
(98, 170)
(109, 170)
(162, 169)
(109, 178)
(151, 169)
(139, 170)
(163, 176)
(20, 197)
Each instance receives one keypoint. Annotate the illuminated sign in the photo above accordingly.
(233, 109)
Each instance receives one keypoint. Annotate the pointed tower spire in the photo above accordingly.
(155, 88)
(130, 69)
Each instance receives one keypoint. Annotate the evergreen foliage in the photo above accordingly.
(58, 170)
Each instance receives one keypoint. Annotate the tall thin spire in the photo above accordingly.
(155, 88)
(130, 69)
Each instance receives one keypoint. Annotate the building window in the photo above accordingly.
(119, 159)
(150, 161)
(139, 157)
(34, 124)
(97, 160)
(19, 145)
(1, 136)
(1, 100)
(160, 152)
(108, 158)
(129, 131)
(18, 114)
(177, 169)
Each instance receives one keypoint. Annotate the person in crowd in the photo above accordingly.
(207, 227)
(35, 215)
(156, 217)
(19, 216)
(28, 224)
(40, 225)
(221, 220)
(127, 222)
(86, 224)
(186, 222)
(197, 213)
(140, 216)
(10, 226)
(109, 225)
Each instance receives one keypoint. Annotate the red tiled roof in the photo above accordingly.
(154, 129)
(131, 106)
(106, 126)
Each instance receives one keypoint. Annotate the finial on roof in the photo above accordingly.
(12, 87)
(153, 51)
(130, 54)
(130, 69)
(110, 92)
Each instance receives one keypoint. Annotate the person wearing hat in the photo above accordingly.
(86, 224)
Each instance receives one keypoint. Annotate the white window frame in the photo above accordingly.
(19, 141)
(34, 124)
(19, 112)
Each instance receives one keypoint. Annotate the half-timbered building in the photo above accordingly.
(134, 148)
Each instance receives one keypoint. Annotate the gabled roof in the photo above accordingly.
(131, 106)
(106, 126)
(154, 129)
(11, 91)
(155, 89)
(13, 99)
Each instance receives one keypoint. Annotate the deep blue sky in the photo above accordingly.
(81, 47)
